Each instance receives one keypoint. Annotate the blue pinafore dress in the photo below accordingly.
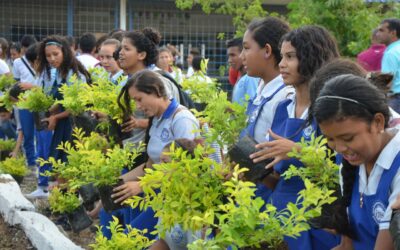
(287, 190)
(253, 113)
(366, 215)
(63, 129)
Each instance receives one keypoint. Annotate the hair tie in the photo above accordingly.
(54, 43)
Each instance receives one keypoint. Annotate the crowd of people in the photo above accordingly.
(295, 86)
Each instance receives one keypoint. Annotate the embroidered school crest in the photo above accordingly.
(378, 211)
(164, 135)
(307, 132)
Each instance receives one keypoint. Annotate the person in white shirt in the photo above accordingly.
(356, 125)
(4, 69)
(87, 44)
(193, 52)
(107, 61)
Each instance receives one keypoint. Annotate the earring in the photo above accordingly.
(382, 131)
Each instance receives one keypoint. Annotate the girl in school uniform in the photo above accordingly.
(354, 116)
(303, 51)
(138, 52)
(260, 56)
(108, 62)
(56, 64)
(171, 121)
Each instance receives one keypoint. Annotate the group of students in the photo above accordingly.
(304, 89)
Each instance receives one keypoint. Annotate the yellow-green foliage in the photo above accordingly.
(74, 95)
(241, 224)
(134, 239)
(14, 166)
(6, 81)
(197, 86)
(63, 202)
(226, 119)
(103, 95)
(35, 100)
(316, 157)
(7, 145)
(194, 192)
(189, 187)
(5, 101)
(91, 161)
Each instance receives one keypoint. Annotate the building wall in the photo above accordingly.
(185, 29)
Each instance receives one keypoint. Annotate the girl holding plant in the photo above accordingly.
(356, 125)
(303, 51)
(171, 121)
(54, 53)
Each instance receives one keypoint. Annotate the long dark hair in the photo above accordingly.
(69, 62)
(367, 100)
(314, 47)
(145, 81)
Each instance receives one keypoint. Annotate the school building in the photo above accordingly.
(184, 29)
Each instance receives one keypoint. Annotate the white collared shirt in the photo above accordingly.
(369, 185)
(267, 114)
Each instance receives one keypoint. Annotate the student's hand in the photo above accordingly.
(277, 149)
(96, 210)
(125, 191)
(52, 120)
(14, 154)
(396, 204)
(26, 85)
(99, 115)
(133, 123)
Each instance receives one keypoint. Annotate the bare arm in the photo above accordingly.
(384, 240)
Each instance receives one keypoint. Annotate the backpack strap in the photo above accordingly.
(28, 67)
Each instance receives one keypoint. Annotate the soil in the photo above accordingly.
(13, 238)
(83, 238)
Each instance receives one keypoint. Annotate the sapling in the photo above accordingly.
(6, 81)
(74, 95)
(200, 90)
(226, 119)
(317, 159)
(7, 144)
(121, 240)
(14, 166)
(189, 187)
(35, 100)
(63, 202)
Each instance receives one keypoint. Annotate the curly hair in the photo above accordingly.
(69, 60)
(314, 47)
(147, 41)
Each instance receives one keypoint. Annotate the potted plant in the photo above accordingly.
(68, 203)
(105, 173)
(6, 147)
(121, 240)
(240, 152)
(15, 167)
(322, 171)
(91, 161)
(74, 101)
(38, 102)
(226, 119)
(102, 97)
(199, 87)
(194, 193)
(6, 81)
